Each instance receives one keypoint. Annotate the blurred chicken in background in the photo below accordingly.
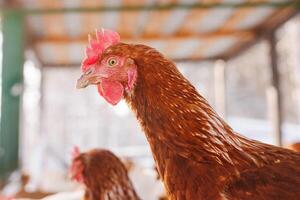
(103, 175)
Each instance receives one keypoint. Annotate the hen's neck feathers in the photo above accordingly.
(171, 110)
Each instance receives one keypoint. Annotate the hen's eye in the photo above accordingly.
(112, 62)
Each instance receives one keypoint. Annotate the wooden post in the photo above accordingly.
(295, 58)
(12, 73)
(220, 87)
(275, 110)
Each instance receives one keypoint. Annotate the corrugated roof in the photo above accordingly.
(179, 33)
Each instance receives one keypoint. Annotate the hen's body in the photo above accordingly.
(197, 154)
(295, 147)
(105, 177)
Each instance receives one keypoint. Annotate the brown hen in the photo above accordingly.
(104, 176)
(198, 155)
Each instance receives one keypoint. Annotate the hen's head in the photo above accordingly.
(114, 72)
(77, 166)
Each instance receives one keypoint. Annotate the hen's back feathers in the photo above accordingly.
(277, 182)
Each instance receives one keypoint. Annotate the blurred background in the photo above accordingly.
(242, 55)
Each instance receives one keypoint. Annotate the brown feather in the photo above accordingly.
(105, 177)
(198, 155)
(295, 147)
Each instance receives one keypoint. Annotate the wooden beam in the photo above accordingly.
(12, 77)
(153, 7)
(237, 16)
(194, 18)
(84, 38)
(274, 92)
(262, 31)
(50, 23)
(155, 21)
(278, 18)
(128, 21)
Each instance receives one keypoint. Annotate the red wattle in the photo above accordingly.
(112, 91)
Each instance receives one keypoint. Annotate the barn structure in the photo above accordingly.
(184, 30)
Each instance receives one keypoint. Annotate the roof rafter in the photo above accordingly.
(201, 44)
(83, 38)
(39, 11)
(263, 30)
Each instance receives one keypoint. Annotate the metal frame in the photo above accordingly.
(275, 101)
(12, 74)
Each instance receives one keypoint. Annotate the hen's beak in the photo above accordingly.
(83, 81)
(90, 78)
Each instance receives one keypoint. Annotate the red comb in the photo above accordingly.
(104, 39)
(76, 167)
(75, 152)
